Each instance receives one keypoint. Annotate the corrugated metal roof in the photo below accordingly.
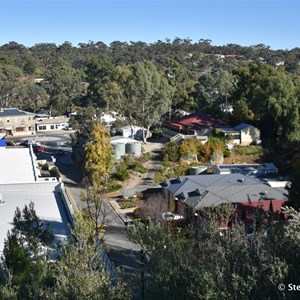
(118, 139)
(197, 120)
(266, 168)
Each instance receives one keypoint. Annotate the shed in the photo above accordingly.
(249, 133)
(131, 131)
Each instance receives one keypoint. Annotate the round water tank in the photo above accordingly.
(134, 148)
(119, 150)
(197, 170)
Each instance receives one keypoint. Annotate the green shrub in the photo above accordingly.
(134, 165)
(148, 156)
(128, 203)
(159, 177)
(45, 167)
(139, 168)
(172, 171)
(227, 153)
(171, 151)
(122, 172)
(157, 132)
(141, 213)
(54, 172)
(249, 150)
(113, 186)
(180, 170)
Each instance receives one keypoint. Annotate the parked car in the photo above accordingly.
(11, 143)
(38, 148)
(171, 216)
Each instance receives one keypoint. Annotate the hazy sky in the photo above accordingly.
(243, 22)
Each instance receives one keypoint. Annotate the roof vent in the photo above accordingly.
(241, 180)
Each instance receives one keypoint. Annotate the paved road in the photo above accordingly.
(121, 250)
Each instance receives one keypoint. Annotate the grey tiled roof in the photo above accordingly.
(206, 190)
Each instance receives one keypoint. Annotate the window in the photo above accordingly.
(56, 126)
(52, 127)
(42, 127)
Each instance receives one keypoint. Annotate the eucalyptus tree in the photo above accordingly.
(45, 53)
(32, 97)
(181, 86)
(63, 84)
(99, 74)
(214, 90)
(11, 80)
(140, 94)
(271, 96)
(150, 93)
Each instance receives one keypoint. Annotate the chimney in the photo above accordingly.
(1, 109)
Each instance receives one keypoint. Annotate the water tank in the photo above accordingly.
(134, 148)
(197, 170)
(119, 150)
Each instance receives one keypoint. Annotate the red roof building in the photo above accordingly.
(193, 124)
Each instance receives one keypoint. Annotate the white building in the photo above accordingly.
(51, 123)
(21, 184)
(249, 133)
(132, 131)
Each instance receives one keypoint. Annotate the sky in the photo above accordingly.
(244, 22)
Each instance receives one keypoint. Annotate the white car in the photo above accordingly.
(170, 216)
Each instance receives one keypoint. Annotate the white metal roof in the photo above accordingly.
(118, 139)
(17, 165)
(131, 127)
(47, 203)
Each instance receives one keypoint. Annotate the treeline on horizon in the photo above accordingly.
(124, 52)
(261, 85)
(147, 84)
